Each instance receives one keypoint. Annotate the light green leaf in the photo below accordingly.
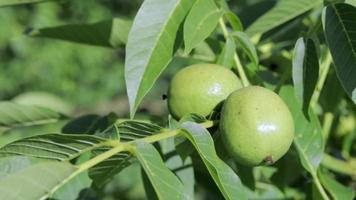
(226, 58)
(165, 183)
(37, 181)
(308, 138)
(339, 22)
(247, 46)
(150, 45)
(15, 115)
(336, 189)
(57, 147)
(305, 71)
(200, 23)
(284, 11)
(4, 3)
(108, 33)
(234, 21)
(45, 100)
(14, 164)
(225, 178)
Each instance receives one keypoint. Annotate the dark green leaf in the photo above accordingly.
(130, 130)
(305, 71)
(225, 178)
(339, 22)
(150, 45)
(200, 23)
(165, 183)
(284, 11)
(108, 33)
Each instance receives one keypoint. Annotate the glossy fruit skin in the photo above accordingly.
(200, 88)
(256, 125)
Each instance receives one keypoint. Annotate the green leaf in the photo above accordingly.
(4, 3)
(284, 11)
(308, 138)
(108, 33)
(15, 115)
(14, 164)
(45, 100)
(305, 71)
(165, 183)
(339, 22)
(57, 147)
(37, 181)
(225, 178)
(151, 44)
(226, 58)
(336, 189)
(130, 130)
(103, 172)
(234, 21)
(247, 46)
(182, 168)
(200, 23)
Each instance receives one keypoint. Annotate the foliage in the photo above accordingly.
(85, 51)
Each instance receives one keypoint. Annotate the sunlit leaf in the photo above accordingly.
(336, 189)
(225, 178)
(226, 58)
(247, 46)
(150, 45)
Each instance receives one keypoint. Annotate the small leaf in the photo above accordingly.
(150, 45)
(336, 189)
(15, 115)
(247, 46)
(339, 21)
(226, 58)
(58, 147)
(165, 183)
(200, 23)
(108, 33)
(37, 181)
(305, 71)
(284, 11)
(225, 178)
(308, 138)
(4, 3)
(234, 21)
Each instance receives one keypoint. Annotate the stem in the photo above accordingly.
(238, 64)
(320, 187)
(324, 72)
(328, 120)
(338, 165)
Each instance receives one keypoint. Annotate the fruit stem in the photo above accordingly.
(238, 64)
(338, 165)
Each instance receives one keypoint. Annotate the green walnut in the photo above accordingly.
(257, 126)
(200, 89)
